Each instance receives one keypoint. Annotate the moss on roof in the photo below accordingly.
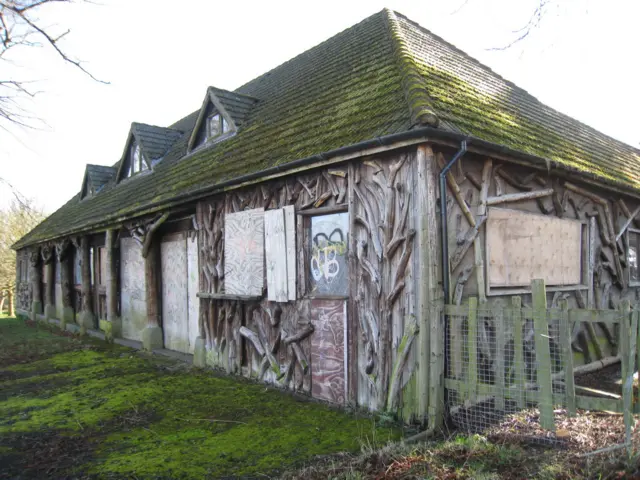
(379, 77)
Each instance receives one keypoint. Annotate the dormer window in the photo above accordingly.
(220, 116)
(216, 125)
(137, 161)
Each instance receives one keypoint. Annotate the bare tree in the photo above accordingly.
(15, 221)
(21, 27)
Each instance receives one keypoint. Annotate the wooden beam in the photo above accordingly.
(519, 197)
(229, 296)
(627, 223)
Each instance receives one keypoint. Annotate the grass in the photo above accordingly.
(77, 407)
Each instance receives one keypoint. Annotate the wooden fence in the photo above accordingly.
(502, 360)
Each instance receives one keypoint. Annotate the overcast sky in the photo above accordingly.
(160, 56)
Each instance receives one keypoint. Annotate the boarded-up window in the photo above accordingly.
(280, 247)
(328, 273)
(244, 252)
(523, 246)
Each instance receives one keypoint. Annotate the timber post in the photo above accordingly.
(36, 279)
(48, 261)
(429, 297)
(63, 250)
(152, 336)
(114, 322)
(87, 317)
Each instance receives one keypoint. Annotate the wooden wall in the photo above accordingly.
(477, 184)
(340, 348)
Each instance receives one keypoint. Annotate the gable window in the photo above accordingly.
(632, 256)
(136, 160)
(216, 126)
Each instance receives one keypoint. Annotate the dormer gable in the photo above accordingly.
(146, 145)
(221, 114)
(95, 178)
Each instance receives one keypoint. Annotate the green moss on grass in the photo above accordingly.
(148, 416)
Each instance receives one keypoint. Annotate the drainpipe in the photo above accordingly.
(444, 231)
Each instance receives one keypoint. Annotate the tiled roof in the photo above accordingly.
(469, 97)
(382, 76)
(96, 177)
(154, 141)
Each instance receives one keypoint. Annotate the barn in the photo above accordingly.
(322, 227)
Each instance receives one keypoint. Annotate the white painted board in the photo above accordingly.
(175, 310)
(523, 246)
(133, 304)
(244, 252)
(276, 255)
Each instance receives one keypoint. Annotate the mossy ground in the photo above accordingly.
(73, 407)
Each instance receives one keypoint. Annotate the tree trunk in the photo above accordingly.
(2, 303)
(87, 304)
(66, 280)
(151, 265)
(36, 279)
(50, 292)
(12, 310)
(112, 277)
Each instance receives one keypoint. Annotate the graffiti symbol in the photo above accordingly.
(324, 263)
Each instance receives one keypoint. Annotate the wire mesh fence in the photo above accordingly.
(514, 367)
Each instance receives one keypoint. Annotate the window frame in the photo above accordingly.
(137, 162)
(585, 234)
(303, 235)
(633, 231)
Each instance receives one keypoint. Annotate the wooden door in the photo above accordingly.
(328, 352)
(178, 257)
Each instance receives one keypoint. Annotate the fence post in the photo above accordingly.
(636, 367)
(500, 317)
(518, 350)
(543, 357)
(472, 348)
(627, 351)
(567, 358)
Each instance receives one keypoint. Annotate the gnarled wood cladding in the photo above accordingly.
(477, 183)
(302, 345)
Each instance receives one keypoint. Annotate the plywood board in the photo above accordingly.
(290, 233)
(175, 310)
(192, 290)
(524, 246)
(276, 255)
(133, 306)
(328, 350)
(244, 252)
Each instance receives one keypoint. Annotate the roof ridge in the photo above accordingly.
(155, 126)
(415, 91)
